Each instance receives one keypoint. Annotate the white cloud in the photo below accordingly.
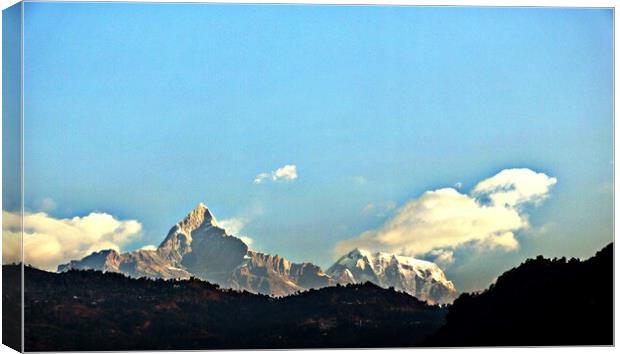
(247, 240)
(284, 173)
(515, 186)
(49, 241)
(233, 226)
(261, 177)
(379, 209)
(287, 172)
(440, 220)
(442, 257)
(368, 208)
(148, 248)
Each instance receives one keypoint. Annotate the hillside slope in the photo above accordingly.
(90, 310)
(540, 302)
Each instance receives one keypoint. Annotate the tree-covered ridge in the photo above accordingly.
(90, 310)
(541, 302)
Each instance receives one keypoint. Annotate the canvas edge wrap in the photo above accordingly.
(12, 169)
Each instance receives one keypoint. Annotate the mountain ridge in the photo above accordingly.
(198, 246)
(423, 279)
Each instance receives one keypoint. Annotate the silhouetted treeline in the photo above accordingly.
(541, 302)
(89, 310)
(12, 307)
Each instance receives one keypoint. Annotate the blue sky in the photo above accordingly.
(143, 110)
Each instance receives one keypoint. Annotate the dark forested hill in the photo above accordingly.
(88, 310)
(541, 302)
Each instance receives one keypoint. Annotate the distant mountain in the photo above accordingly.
(90, 310)
(197, 246)
(143, 263)
(422, 279)
(541, 302)
(266, 274)
(200, 246)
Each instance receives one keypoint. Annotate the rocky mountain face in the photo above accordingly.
(197, 246)
(267, 274)
(135, 264)
(422, 279)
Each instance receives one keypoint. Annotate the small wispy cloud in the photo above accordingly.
(247, 240)
(360, 180)
(262, 177)
(284, 173)
(47, 204)
(368, 208)
(233, 225)
(148, 248)
(379, 209)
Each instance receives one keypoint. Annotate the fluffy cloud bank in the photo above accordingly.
(49, 241)
(441, 220)
(284, 173)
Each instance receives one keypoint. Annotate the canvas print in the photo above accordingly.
(276, 176)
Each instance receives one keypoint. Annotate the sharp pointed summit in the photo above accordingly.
(196, 218)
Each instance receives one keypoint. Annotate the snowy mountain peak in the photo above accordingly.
(419, 278)
(196, 218)
(360, 252)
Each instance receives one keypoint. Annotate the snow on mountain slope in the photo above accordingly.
(422, 279)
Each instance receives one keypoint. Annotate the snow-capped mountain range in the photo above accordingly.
(422, 279)
(197, 246)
